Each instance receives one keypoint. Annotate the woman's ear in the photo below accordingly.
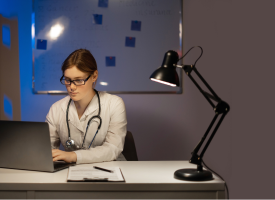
(95, 75)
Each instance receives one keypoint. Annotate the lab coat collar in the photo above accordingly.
(73, 116)
(93, 106)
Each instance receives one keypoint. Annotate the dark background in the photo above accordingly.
(238, 41)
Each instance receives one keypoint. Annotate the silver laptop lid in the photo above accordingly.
(25, 145)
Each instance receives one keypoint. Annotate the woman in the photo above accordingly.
(89, 131)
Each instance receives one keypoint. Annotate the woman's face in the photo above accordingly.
(79, 92)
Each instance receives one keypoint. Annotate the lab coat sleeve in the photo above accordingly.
(114, 141)
(50, 119)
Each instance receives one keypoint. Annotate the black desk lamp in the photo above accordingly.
(167, 74)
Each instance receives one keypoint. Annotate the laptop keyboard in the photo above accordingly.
(61, 165)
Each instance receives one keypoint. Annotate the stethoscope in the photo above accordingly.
(70, 144)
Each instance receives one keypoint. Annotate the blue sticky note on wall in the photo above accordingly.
(130, 42)
(6, 36)
(136, 25)
(41, 44)
(97, 19)
(8, 107)
(103, 3)
(110, 61)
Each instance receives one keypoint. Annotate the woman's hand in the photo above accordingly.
(63, 155)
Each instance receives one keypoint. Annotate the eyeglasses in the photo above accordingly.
(65, 81)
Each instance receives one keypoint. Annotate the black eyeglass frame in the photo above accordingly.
(73, 81)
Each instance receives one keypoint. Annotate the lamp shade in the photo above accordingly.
(167, 73)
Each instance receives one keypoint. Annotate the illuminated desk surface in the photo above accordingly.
(144, 180)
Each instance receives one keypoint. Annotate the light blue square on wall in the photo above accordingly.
(110, 61)
(41, 44)
(8, 107)
(136, 25)
(6, 36)
(130, 42)
(97, 19)
(103, 3)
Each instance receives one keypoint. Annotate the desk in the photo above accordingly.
(144, 180)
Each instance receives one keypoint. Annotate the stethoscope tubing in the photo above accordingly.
(97, 116)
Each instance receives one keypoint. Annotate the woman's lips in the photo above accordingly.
(73, 93)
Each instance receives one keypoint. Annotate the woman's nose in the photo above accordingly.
(73, 86)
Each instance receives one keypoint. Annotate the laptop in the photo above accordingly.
(27, 145)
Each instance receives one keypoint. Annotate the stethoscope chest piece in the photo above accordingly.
(70, 144)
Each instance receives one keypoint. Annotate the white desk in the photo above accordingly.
(144, 180)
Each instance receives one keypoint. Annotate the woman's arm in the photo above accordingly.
(114, 141)
(55, 140)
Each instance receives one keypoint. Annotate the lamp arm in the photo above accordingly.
(213, 134)
(195, 158)
(221, 108)
(205, 94)
(206, 84)
(189, 68)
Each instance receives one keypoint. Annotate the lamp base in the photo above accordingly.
(193, 175)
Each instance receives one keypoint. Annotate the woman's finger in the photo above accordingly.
(56, 154)
(55, 150)
(57, 158)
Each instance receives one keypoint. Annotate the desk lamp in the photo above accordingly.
(167, 74)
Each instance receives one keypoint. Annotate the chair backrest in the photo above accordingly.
(129, 150)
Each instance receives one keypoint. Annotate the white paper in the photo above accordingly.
(78, 173)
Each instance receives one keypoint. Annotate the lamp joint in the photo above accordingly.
(222, 107)
(195, 159)
(188, 69)
(179, 66)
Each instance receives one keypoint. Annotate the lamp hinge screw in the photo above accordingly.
(198, 158)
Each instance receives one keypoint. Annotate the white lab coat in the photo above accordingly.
(109, 141)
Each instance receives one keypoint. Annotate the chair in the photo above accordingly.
(129, 150)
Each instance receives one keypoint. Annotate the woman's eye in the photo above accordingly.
(78, 81)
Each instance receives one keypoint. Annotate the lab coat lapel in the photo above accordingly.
(93, 106)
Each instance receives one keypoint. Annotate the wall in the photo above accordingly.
(237, 37)
(9, 70)
(33, 107)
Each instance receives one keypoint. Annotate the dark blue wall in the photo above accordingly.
(33, 107)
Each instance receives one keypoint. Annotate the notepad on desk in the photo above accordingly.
(81, 173)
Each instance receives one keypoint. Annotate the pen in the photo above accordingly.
(106, 170)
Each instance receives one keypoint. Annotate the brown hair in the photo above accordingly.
(82, 59)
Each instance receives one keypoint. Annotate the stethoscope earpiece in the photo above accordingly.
(70, 143)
